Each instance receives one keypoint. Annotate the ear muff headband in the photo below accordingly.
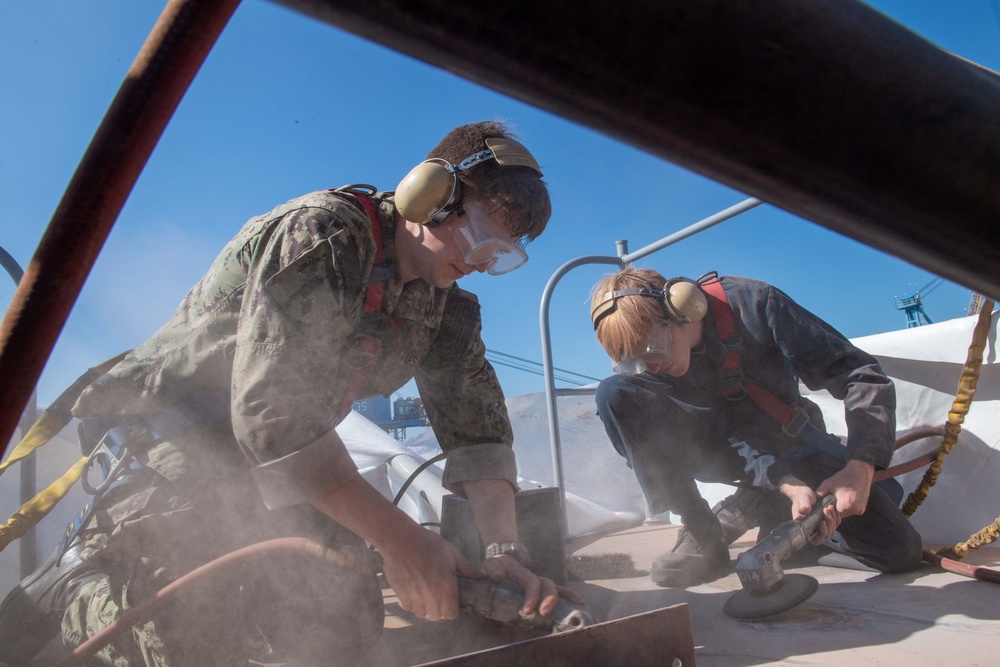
(432, 190)
(683, 301)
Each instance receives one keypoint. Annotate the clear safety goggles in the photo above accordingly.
(484, 241)
(655, 352)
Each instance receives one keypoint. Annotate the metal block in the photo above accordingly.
(539, 525)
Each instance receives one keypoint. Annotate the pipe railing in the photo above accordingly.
(623, 258)
(157, 80)
(28, 465)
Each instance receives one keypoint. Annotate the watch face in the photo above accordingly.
(515, 550)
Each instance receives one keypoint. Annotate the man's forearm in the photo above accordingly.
(860, 473)
(492, 502)
(357, 506)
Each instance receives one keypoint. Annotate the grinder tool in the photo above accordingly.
(767, 590)
(501, 601)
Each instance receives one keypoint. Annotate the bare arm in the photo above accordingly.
(492, 502)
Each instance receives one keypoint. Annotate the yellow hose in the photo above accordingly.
(959, 408)
(987, 535)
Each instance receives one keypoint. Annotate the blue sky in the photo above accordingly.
(285, 105)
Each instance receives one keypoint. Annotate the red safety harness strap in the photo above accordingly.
(367, 341)
(734, 384)
(376, 290)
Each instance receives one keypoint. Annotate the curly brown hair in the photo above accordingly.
(518, 192)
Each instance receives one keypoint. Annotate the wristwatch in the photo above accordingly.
(515, 550)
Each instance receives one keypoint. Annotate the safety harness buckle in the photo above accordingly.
(113, 456)
(799, 420)
(732, 384)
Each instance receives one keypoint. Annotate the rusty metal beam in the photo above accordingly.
(653, 639)
(156, 82)
(824, 108)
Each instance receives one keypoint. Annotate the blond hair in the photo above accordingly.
(622, 332)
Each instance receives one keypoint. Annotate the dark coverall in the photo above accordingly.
(676, 430)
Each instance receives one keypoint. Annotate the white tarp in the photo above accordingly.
(926, 364)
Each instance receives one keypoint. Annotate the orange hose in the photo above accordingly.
(368, 562)
(913, 436)
(964, 569)
(919, 434)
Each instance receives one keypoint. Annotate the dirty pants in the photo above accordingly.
(198, 505)
(672, 442)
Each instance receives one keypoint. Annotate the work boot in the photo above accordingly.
(31, 614)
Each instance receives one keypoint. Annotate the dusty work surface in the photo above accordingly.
(927, 617)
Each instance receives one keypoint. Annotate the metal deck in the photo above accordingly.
(927, 617)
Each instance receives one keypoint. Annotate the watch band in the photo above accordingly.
(515, 550)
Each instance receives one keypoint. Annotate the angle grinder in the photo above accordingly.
(502, 601)
(767, 590)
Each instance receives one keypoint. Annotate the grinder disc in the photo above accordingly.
(792, 590)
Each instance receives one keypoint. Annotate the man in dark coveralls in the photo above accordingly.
(706, 389)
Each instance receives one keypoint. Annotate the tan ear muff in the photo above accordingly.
(429, 188)
(684, 300)
(432, 190)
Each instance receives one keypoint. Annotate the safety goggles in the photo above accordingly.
(484, 241)
(655, 352)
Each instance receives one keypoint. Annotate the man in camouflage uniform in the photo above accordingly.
(308, 308)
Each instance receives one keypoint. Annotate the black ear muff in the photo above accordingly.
(432, 190)
(684, 301)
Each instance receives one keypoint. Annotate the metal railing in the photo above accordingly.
(28, 464)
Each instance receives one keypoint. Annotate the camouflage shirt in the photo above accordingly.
(279, 323)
